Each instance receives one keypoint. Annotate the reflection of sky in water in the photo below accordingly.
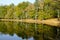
(8, 37)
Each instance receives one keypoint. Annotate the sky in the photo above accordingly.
(7, 2)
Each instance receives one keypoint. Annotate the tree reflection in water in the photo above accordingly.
(24, 32)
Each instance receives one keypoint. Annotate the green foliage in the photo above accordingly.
(22, 31)
(3, 11)
(12, 11)
(19, 11)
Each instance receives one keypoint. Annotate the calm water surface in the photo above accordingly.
(26, 31)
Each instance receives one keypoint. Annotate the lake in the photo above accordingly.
(27, 31)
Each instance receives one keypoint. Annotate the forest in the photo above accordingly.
(41, 9)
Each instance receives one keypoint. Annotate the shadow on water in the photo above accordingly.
(26, 30)
(58, 31)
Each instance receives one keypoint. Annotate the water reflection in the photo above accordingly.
(8, 37)
(27, 31)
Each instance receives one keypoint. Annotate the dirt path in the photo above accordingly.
(52, 22)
